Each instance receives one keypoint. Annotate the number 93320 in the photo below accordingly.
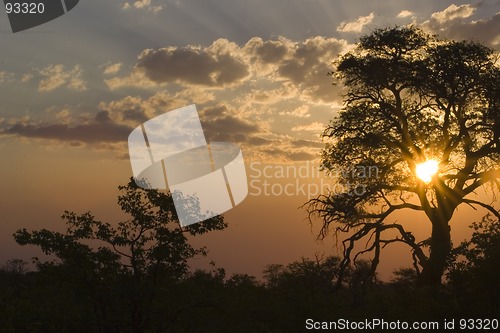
(25, 8)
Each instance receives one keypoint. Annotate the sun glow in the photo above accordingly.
(426, 170)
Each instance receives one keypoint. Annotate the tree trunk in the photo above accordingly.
(440, 248)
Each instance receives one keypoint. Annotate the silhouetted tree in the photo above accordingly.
(360, 280)
(310, 274)
(298, 290)
(125, 268)
(475, 274)
(404, 278)
(411, 97)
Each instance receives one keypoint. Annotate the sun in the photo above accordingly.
(426, 170)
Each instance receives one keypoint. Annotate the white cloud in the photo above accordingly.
(357, 25)
(135, 79)
(456, 22)
(496, 41)
(405, 13)
(6, 77)
(113, 68)
(27, 77)
(143, 4)
(300, 112)
(55, 76)
(453, 12)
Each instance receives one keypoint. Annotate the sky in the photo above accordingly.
(73, 89)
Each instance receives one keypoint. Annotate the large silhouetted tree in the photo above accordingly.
(125, 269)
(410, 98)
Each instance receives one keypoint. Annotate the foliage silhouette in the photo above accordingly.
(124, 269)
(411, 97)
(474, 274)
(53, 299)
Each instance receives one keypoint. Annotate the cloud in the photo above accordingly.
(300, 112)
(55, 76)
(455, 22)
(100, 130)
(300, 156)
(285, 152)
(143, 4)
(6, 77)
(264, 55)
(113, 68)
(220, 124)
(264, 81)
(27, 77)
(405, 13)
(297, 66)
(270, 51)
(301, 143)
(453, 12)
(131, 111)
(314, 127)
(274, 79)
(112, 123)
(134, 110)
(258, 141)
(216, 66)
(135, 79)
(357, 25)
(307, 67)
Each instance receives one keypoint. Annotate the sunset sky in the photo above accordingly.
(73, 89)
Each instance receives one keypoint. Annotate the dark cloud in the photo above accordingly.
(102, 117)
(220, 125)
(309, 65)
(102, 129)
(290, 155)
(192, 65)
(307, 56)
(228, 128)
(273, 152)
(137, 116)
(307, 143)
(295, 70)
(300, 156)
(213, 112)
(302, 64)
(270, 51)
(258, 141)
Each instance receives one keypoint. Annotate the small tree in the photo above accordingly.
(474, 275)
(411, 98)
(128, 267)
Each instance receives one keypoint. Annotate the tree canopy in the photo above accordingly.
(126, 268)
(411, 98)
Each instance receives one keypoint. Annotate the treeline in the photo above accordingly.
(58, 298)
(134, 278)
